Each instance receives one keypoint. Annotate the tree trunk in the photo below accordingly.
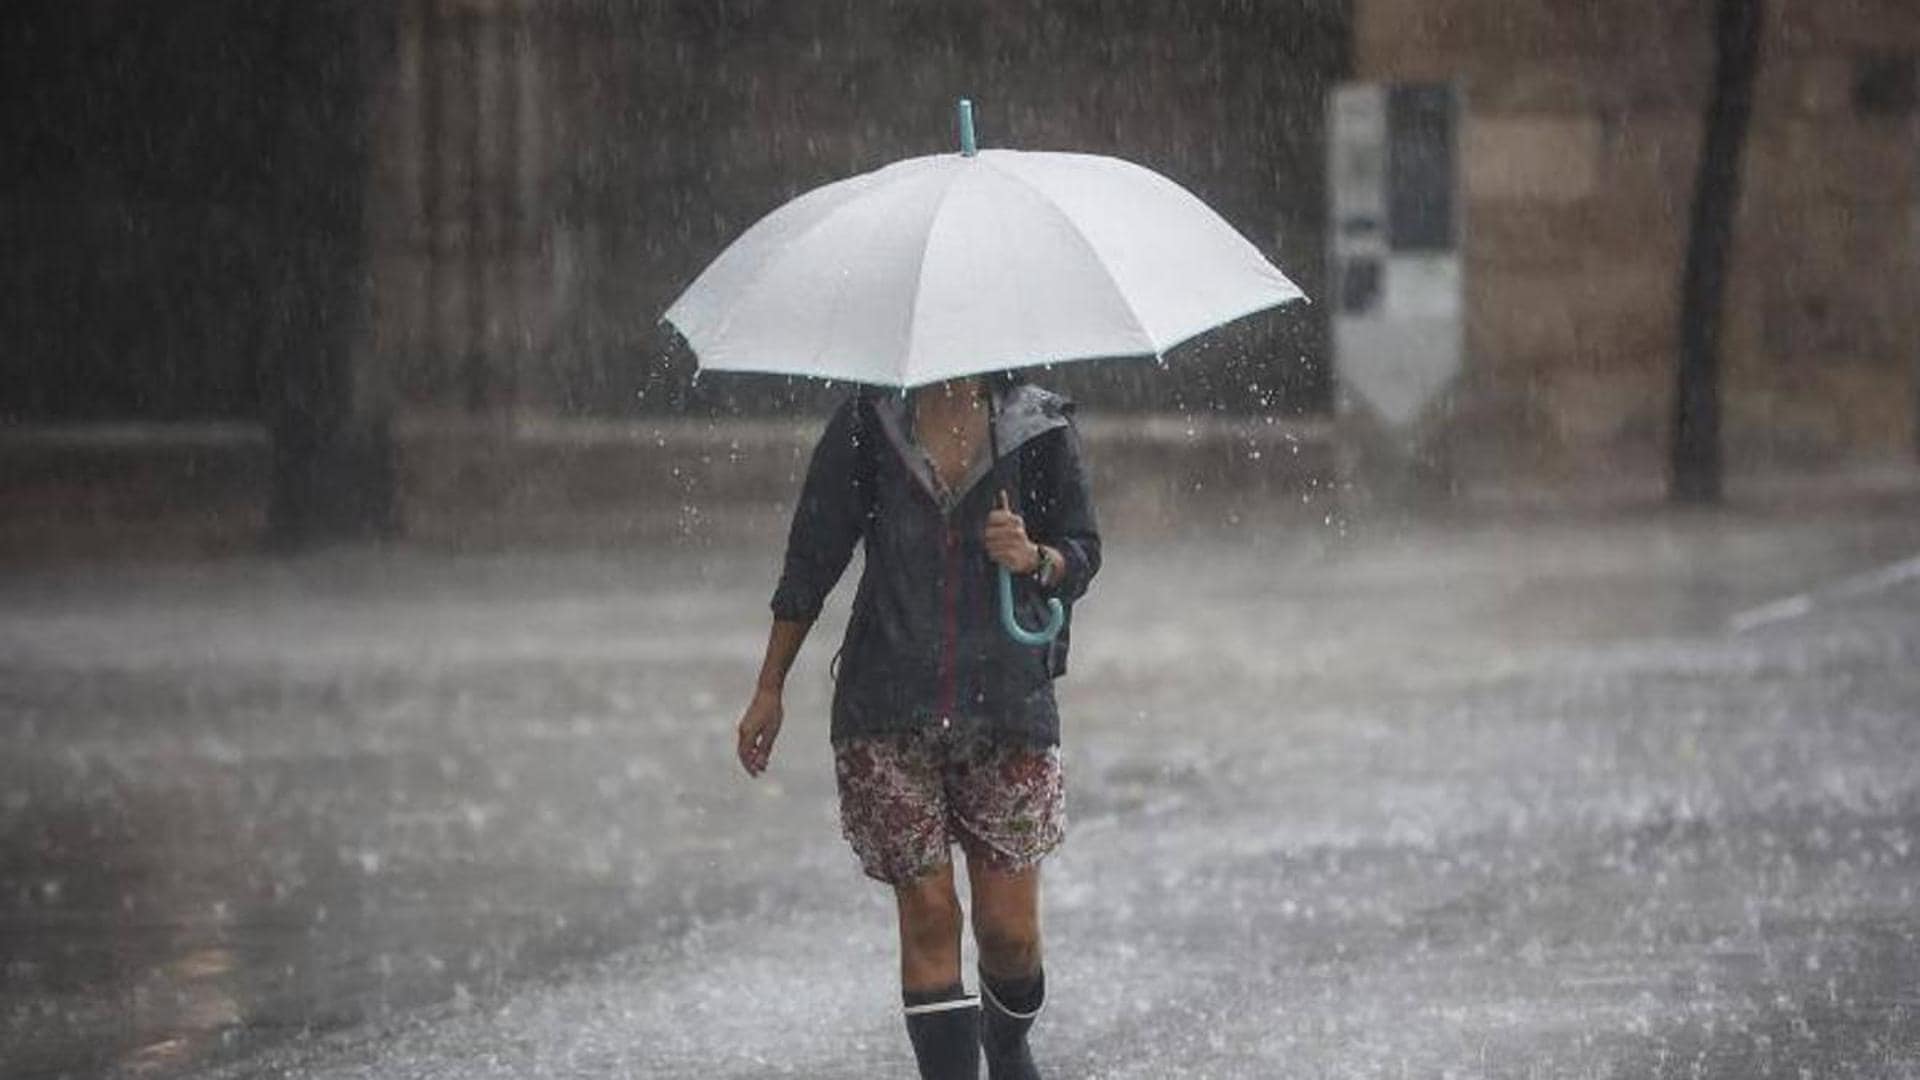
(1697, 466)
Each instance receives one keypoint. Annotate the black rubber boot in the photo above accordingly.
(1003, 1028)
(946, 1038)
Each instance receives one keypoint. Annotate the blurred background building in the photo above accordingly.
(536, 179)
(552, 172)
(1581, 136)
(349, 267)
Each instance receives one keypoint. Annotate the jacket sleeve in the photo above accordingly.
(827, 521)
(1060, 510)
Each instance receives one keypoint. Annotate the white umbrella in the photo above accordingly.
(956, 264)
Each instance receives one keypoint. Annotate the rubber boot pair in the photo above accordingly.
(949, 1036)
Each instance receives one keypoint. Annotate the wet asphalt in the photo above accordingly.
(1559, 796)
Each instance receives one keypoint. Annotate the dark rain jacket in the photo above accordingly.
(924, 642)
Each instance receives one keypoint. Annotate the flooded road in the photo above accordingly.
(1618, 796)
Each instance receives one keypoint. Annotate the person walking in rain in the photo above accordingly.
(944, 726)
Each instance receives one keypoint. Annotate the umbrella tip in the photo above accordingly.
(965, 111)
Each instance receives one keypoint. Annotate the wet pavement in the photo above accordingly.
(1553, 797)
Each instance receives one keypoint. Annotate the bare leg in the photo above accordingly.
(1006, 919)
(942, 1022)
(1006, 926)
(930, 921)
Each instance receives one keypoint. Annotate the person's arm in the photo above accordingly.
(760, 725)
(1060, 513)
(827, 523)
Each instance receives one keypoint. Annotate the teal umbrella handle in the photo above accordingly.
(1056, 616)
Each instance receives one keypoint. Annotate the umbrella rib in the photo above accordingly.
(920, 271)
(1264, 305)
(800, 238)
(1139, 324)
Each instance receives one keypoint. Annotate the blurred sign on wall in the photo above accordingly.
(1395, 246)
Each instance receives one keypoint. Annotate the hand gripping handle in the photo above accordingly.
(1056, 615)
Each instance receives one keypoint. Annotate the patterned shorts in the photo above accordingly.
(905, 798)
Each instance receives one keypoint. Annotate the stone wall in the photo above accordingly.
(1579, 147)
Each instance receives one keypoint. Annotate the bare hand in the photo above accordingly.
(1006, 539)
(759, 727)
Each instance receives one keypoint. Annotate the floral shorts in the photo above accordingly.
(905, 798)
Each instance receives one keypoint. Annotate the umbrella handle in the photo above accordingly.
(1056, 616)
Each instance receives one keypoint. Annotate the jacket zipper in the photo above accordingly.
(950, 651)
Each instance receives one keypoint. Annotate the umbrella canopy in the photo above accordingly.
(956, 264)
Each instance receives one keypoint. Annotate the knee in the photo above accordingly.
(1009, 943)
(930, 919)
